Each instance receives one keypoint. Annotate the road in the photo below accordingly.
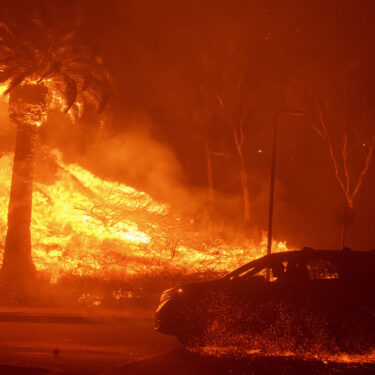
(66, 344)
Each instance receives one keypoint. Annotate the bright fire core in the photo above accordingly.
(84, 225)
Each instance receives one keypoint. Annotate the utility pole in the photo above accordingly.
(272, 180)
(272, 190)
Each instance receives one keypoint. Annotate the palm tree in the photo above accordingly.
(41, 68)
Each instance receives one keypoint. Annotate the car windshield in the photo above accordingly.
(253, 272)
(255, 268)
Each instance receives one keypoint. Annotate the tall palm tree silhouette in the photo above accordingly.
(42, 67)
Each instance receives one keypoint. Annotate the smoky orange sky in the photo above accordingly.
(171, 58)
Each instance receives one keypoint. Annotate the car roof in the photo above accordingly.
(306, 254)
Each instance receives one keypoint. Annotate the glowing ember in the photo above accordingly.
(84, 225)
(325, 357)
(3, 88)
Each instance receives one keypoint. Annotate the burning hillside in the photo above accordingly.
(83, 225)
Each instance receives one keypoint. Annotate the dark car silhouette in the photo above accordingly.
(288, 300)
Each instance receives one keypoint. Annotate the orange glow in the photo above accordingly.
(84, 225)
(3, 88)
(325, 357)
(56, 100)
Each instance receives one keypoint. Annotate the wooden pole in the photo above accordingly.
(273, 173)
(272, 190)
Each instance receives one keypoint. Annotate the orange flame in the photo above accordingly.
(84, 225)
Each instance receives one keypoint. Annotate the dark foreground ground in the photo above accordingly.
(40, 342)
(180, 362)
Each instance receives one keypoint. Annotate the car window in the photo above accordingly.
(260, 274)
(278, 271)
(248, 272)
(252, 272)
(319, 269)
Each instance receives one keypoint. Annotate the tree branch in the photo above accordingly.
(242, 135)
(319, 111)
(365, 168)
(221, 154)
(345, 161)
(336, 168)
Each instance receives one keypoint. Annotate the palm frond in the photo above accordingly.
(15, 81)
(6, 35)
(53, 68)
(86, 79)
(103, 102)
(70, 92)
(44, 53)
(6, 74)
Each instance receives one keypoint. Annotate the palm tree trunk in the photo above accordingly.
(209, 172)
(18, 262)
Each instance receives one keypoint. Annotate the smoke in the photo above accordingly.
(136, 159)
